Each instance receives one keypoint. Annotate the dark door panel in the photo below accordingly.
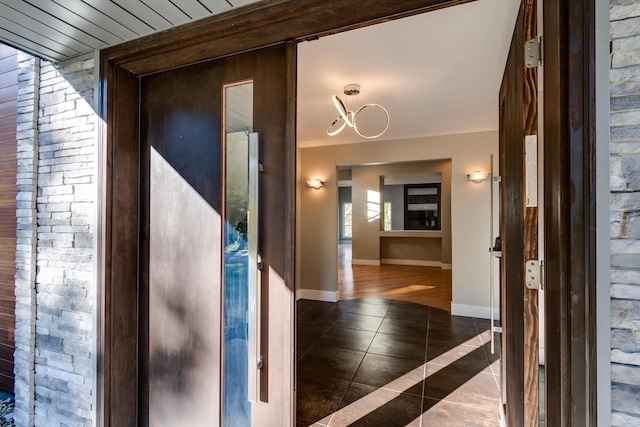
(183, 328)
(519, 229)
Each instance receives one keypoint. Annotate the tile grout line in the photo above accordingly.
(465, 405)
(367, 352)
(378, 333)
(359, 365)
(495, 378)
(424, 369)
(320, 337)
(486, 354)
(313, 345)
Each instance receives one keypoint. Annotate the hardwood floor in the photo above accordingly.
(430, 286)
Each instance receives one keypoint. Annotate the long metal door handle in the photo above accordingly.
(255, 265)
(491, 272)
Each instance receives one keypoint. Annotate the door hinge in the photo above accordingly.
(533, 50)
(534, 274)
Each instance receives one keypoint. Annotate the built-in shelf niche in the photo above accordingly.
(422, 207)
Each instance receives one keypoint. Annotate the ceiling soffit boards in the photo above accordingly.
(61, 30)
(67, 30)
(255, 26)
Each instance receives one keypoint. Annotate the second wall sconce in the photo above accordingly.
(315, 183)
(478, 176)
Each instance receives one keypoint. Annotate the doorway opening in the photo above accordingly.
(401, 248)
(373, 347)
(123, 65)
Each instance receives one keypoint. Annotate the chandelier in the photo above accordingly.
(350, 118)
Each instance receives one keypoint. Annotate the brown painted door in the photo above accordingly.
(519, 229)
(215, 328)
(8, 170)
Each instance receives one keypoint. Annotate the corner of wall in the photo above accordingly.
(55, 305)
(26, 238)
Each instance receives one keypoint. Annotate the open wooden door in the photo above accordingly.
(215, 316)
(198, 325)
(519, 227)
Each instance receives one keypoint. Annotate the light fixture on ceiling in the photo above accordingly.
(315, 183)
(350, 118)
(478, 176)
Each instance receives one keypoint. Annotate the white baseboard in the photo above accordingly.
(314, 295)
(365, 262)
(416, 262)
(476, 311)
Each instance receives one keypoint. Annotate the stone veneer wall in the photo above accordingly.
(27, 137)
(625, 211)
(54, 323)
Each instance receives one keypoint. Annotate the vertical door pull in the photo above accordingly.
(491, 256)
(255, 265)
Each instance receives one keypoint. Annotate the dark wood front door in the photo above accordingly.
(519, 228)
(213, 350)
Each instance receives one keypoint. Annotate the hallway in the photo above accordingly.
(429, 286)
(376, 362)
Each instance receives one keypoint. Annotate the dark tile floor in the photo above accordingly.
(391, 363)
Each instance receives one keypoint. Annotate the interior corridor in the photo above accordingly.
(430, 286)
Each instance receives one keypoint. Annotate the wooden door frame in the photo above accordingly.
(569, 173)
(569, 217)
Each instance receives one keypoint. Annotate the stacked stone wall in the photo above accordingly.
(625, 211)
(65, 281)
(26, 236)
(55, 364)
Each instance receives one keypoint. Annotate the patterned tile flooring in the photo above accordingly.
(375, 362)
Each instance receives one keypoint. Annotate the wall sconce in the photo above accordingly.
(315, 183)
(478, 176)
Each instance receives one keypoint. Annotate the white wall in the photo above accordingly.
(317, 225)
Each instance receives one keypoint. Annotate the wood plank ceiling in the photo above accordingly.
(60, 30)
